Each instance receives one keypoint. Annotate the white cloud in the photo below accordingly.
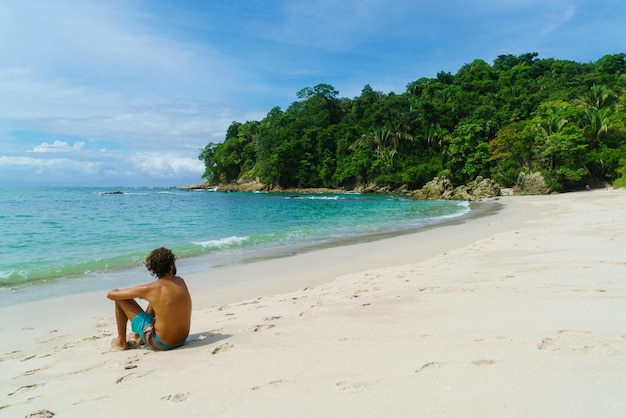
(164, 166)
(113, 70)
(33, 170)
(59, 146)
(100, 167)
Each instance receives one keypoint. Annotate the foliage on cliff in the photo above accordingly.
(520, 114)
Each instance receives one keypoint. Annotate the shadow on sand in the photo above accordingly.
(203, 338)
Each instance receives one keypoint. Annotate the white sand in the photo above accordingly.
(521, 313)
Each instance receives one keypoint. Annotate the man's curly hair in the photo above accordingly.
(161, 262)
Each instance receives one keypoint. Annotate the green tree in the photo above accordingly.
(598, 124)
(561, 117)
(512, 151)
(384, 143)
(469, 152)
(566, 150)
(211, 171)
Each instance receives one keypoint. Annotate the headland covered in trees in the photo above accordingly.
(519, 118)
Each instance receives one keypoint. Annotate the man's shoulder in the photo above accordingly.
(176, 280)
(170, 282)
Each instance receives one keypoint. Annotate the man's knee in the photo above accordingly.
(130, 307)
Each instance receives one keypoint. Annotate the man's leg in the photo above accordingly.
(125, 310)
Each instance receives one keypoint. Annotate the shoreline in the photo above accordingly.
(31, 292)
(513, 313)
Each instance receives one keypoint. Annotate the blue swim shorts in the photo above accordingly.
(140, 322)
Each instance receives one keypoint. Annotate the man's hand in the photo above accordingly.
(141, 291)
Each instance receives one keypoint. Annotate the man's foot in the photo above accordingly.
(134, 339)
(119, 344)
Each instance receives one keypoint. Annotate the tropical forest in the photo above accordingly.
(563, 119)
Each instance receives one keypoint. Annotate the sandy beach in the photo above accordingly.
(518, 312)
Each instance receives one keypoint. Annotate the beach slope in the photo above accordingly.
(517, 313)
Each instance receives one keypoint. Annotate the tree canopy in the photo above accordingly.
(520, 114)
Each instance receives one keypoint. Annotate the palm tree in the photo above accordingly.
(435, 135)
(548, 127)
(598, 97)
(385, 143)
(598, 123)
(600, 115)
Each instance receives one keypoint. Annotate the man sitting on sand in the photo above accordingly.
(165, 323)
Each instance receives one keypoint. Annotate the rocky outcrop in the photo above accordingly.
(257, 186)
(375, 189)
(531, 184)
(483, 188)
(433, 190)
(441, 188)
(245, 186)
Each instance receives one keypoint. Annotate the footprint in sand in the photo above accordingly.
(32, 371)
(353, 387)
(250, 302)
(126, 377)
(581, 342)
(130, 376)
(483, 362)
(25, 388)
(176, 397)
(43, 413)
(99, 335)
(222, 347)
(430, 365)
(271, 384)
(90, 400)
(262, 326)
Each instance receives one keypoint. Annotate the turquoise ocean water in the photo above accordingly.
(56, 240)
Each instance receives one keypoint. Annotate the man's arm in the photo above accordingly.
(141, 291)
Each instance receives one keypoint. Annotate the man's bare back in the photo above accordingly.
(166, 321)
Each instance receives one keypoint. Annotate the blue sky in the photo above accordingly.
(127, 92)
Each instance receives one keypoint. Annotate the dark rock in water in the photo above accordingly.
(116, 192)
